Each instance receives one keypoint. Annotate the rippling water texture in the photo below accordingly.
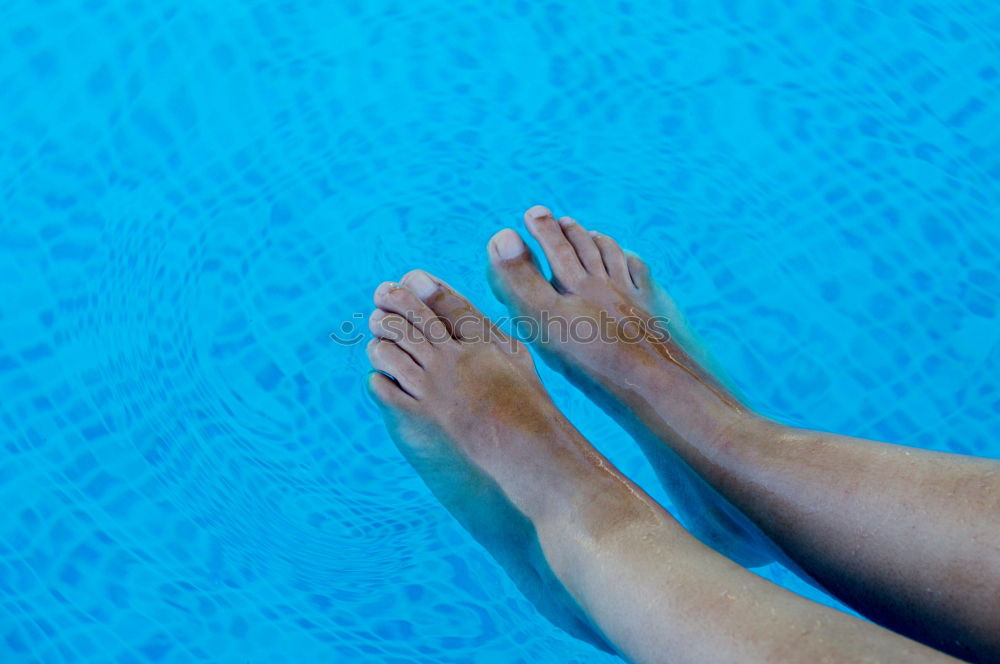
(195, 195)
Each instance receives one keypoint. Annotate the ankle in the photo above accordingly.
(604, 508)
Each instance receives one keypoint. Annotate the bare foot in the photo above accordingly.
(664, 388)
(466, 408)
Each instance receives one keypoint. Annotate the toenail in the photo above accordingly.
(566, 221)
(508, 244)
(594, 234)
(538, 212)
(377, 315)
(420, 283)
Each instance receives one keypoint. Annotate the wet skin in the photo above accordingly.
(591, 549)
(910, 538)
(593, 279)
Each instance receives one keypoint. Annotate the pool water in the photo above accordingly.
(196, 195)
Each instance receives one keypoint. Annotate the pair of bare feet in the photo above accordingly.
(599, 557)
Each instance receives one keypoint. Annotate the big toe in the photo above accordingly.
(464, 320)
(514, 274)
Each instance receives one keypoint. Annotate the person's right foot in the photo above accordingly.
(655, 384)
(465, 406)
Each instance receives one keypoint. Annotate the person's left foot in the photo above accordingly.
(631, 348)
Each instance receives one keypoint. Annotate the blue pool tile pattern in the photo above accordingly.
(196, 195)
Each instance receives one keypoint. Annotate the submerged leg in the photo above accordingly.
(908, 537)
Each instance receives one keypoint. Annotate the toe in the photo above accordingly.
(583, 244)
(638, 270)
(613, 258)
(387, 391)
(393, 298)
(563, 261)
(514, 274)
(464, 321)
(390, 359)
(395, 328)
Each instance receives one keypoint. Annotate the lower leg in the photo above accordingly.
(908, 537)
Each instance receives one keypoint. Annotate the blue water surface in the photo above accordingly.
(195, 195)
